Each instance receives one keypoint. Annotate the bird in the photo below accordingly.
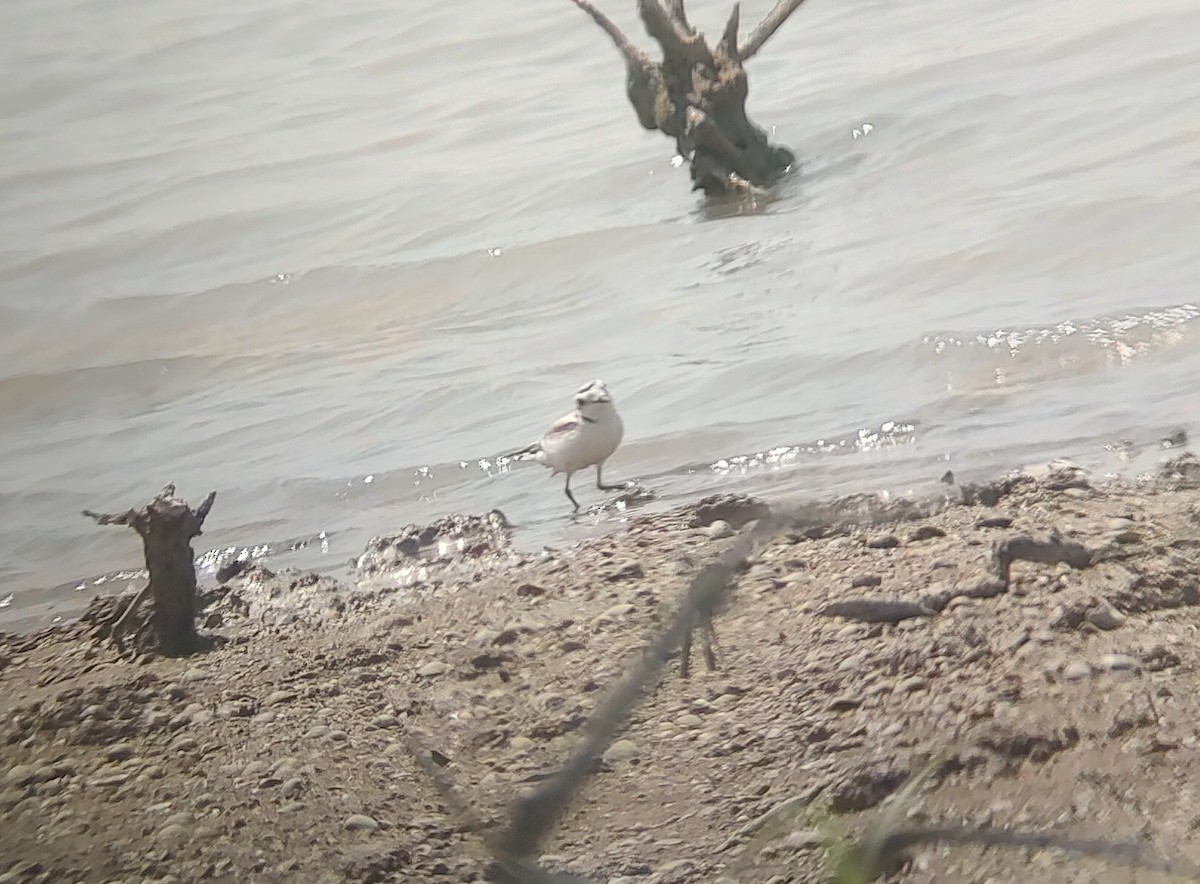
(586, 437)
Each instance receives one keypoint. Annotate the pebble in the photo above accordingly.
(719, 530)
(276, 697)
(291, 788)
(105, 778)
(622, 750)
(265, 717)
(844, 703)
(1076, 670)
(156, 718)
(864, 580)
(1106, 617)
(317, 731)
(118, 752)
(912, 683)
(1119, 663)
(617, 611)
(20, 775)
(360, 823)
(185, 744)
(926, 532)
(433, 668)
(629, 570)
(883, 541)
(520, 743)
(689, 720)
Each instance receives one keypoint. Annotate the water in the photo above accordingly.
(331, 261)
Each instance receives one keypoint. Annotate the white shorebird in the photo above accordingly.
(586, 437)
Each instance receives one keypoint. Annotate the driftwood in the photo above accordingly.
(697, 94)
(996, 579)
(166, 526)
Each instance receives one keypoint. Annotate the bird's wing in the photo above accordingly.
(561, 428)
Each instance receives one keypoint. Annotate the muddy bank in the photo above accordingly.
(1062, 697)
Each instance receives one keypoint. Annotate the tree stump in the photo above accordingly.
(697, 95)
(166, 526)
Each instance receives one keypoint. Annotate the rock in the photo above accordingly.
(360, 823)
(719, 530)
(630, 570)
(883, 541)
(433, 669)
(1119, 663)
(1076, 670)
(864, 580)
(507, 636)
(912, 683)
(119, 752)
(276, 697)
(994, 522)
(925, 532)
(616, 612)
(1106, 617)
(1129, 536)
(20, 775)
(530, 590)
(520, 743)
(184, 744)
(316, 732)
(689, 720)
(291, 788)
(844, 703)
(622, 750)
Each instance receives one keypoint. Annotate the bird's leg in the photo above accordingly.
(600, 481)
(685, 653)
(570, 496)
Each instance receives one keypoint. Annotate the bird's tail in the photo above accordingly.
(527, 450)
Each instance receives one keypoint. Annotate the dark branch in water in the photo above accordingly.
(697, 94)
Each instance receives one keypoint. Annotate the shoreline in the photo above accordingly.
(285, 750)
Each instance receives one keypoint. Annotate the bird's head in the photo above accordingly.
(593, 397)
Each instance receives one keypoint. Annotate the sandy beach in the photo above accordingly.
(1061, 698)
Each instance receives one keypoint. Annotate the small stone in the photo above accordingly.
(338, 736)
(994, 522)
(844, 703)
(316, 732)
(622, 750)
(864, 580)
(104, 778)
(265, 717)
(118, 752)
(433, 669)
(156, 718)
(360, 823)
(291, 788)
(20, 775)
(912, 683)
(1106, 617)
(520, 743)
(883, 541)
(384, 722)
(276, 697)
(1076, 670)
(689, 720)
(507, 636)
(1119, 663)
(719, 530)
(926, 532)
(185, 744)
(630, 570)
(616, 612)
(530, 590)
(1129, 536)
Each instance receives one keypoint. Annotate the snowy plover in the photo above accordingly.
(586, 437)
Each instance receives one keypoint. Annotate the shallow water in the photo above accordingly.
(331, 262)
